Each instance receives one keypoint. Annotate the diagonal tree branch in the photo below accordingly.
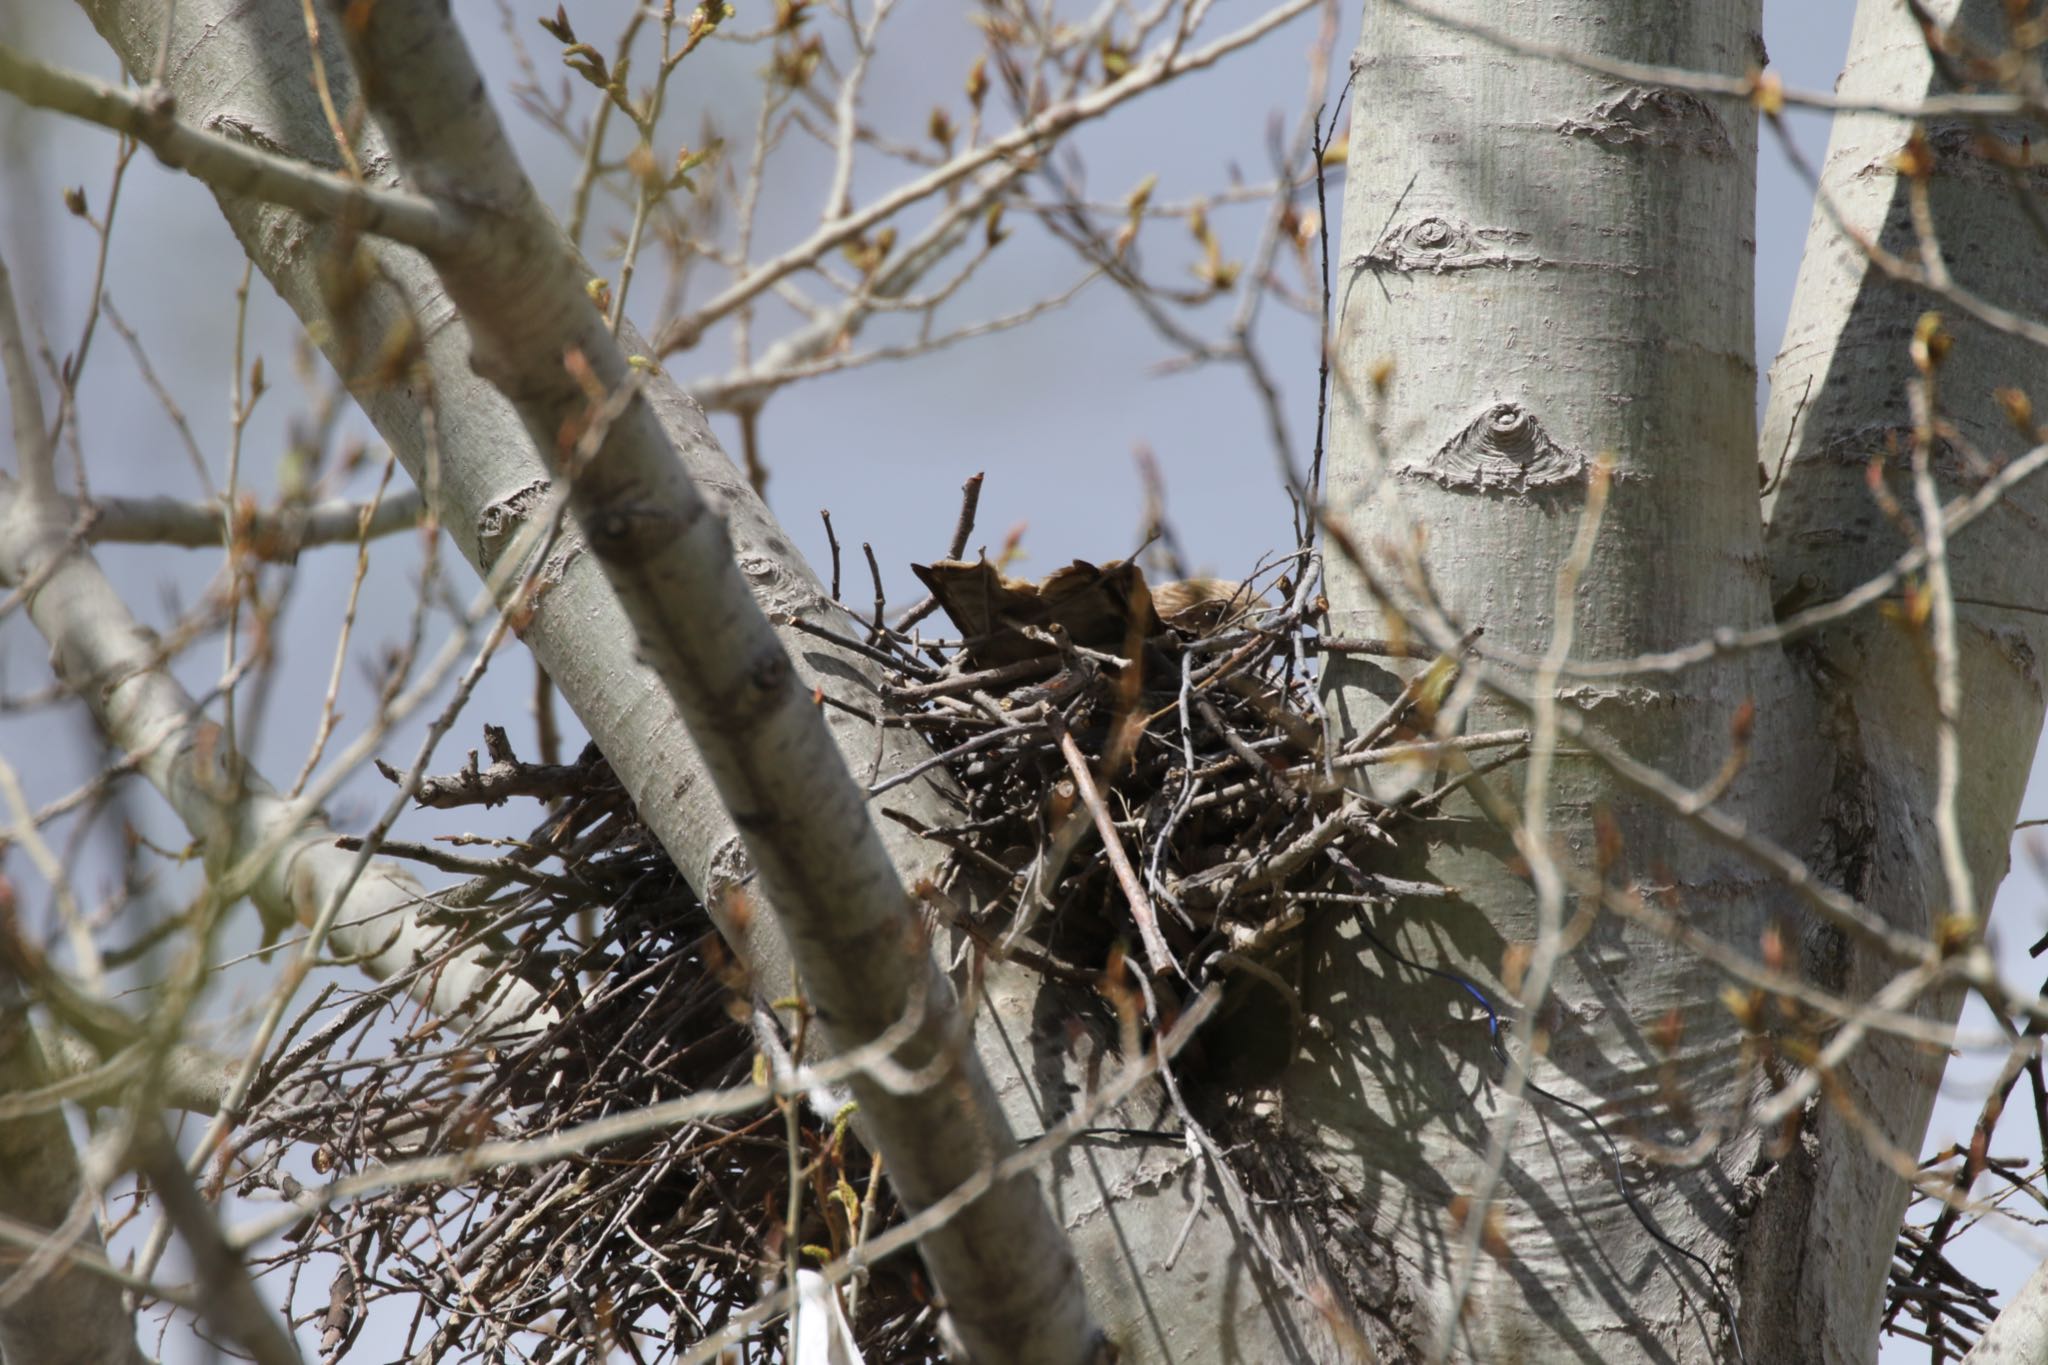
(55, 1315)
(108, 658)
(110, 661)
(229, 1295)
(2020, 1332)
(1003, 1264)
(1124, 1209)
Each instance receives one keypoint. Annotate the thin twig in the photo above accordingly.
(1156, 952)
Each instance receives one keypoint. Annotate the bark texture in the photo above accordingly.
(2020, 1334)
(861, 957)
(1557, 266)
(1838, 403)
(68, 1316)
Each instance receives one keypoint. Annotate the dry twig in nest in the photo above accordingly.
(1143, 770)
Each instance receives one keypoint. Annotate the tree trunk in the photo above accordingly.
(1838, 403)
(1557, 264)
(1558, 268)
(67, 1315)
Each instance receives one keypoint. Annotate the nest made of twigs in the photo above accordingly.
(1147, 789)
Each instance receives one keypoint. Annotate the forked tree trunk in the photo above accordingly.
(1558, 266)
(1167, 1274)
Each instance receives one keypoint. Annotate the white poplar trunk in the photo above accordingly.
(1838, 399)
(1558, 267)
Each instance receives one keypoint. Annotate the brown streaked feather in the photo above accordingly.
(1106, 607)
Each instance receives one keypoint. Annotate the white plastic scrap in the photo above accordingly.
(823, 1336)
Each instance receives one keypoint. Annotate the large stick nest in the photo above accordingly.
(1180, 721)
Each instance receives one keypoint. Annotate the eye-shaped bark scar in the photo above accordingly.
(1502, 450)
(1655, 118)
(1436, 244)
(499, 523)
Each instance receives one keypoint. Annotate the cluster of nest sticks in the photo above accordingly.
(1146, 779)
(1150, 798)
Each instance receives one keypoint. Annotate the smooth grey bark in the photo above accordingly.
(235, 166)
(1158, 1295)
(1517, 233)
(273, 535)
(1558, 266)
(2020, 1333)
(1838, 401)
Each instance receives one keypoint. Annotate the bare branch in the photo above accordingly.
(668, 556)
(227, 165)
(99, 649)
(103, 653)
(276, 534)
(1158, 68)
(227, 1292)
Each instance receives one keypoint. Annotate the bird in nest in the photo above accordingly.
(1105, 607)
